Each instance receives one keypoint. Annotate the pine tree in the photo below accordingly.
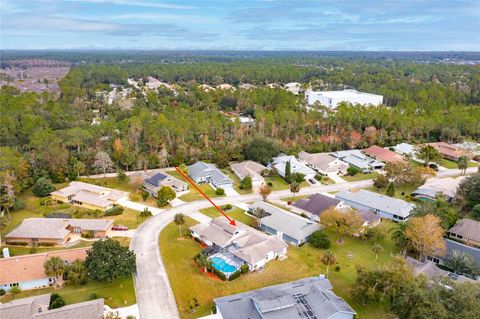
(288, 172)
(391, 190)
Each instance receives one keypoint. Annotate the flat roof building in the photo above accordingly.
(331, 99)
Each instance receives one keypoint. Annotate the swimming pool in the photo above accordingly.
(222, 265)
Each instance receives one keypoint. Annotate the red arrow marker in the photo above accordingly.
(232, 222)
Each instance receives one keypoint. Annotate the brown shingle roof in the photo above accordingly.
(30, 267)
(467, 228)
(383, 154)
(447, 149)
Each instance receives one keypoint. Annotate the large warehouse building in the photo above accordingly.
(331, 99)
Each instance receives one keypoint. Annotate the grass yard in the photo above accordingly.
(111, 182)
(129, 217)
(406, 189)
(188, 282)
(278, 183)
(119, 293)
(293, 199)
(193, 194)
(360, 177)
(235, 213)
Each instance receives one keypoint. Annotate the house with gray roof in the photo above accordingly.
(154, 182)
(315, 205)
(292, 228)
(452, 245)
(57, 230)
(384, 206)
(36, 307)
(308, 298)
(433, 187)
(323, 163)
(356, 158)
(296, 166)
(232, 246)
(249, 168)
(202, 172)
(428, 269)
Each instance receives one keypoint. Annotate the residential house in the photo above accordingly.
(206, 88)
(249, 168)
(153, 183)
(226, 86)
(445, 186)
(428, 269)
(27, 272)
(370, 219)
(202, 172)
(472, 148)
(454, 245)
(274, 86)
(359, 160)
(315, 205)
(294, 88)
(153, 84)
(247, 86)
(245, 121)
(56, 231)
(466, 230)
(296, 166)
(332, 99)
(448, 151)
(37, 307)
(405, 149)
(307, 298)
(237, 245)
(385, 206)
(289, 227)
(383, 154)
(89, 196)
(323, 163)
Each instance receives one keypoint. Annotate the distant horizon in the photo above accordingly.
(249, 25)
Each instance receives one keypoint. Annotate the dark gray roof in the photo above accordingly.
(311, 295)
(317, 203)
(473, 251)
(156, 179)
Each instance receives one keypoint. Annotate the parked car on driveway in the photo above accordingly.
(312, 181)
(120, 228)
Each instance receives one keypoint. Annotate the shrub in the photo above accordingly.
(87, 234)
(115, 210)
(15, 290)
(352, 171)
(93, 296)
(56, 301)
(121, 176)
(46, 244)
(337, 268)
(476, 212)
(78, 213)
(270, 184)
(16, 243)
(145, 213)
(319, 239)
(32, 250)
(134, 197)
(164, 195)
(244, 269)
(235, 275)
(246, 183)
(43, 187)
(219, 191)
(145, 194)
(318, 177)
(45, 201)
(2, 292)
(19, 205)
(227, 207)
(219, 274)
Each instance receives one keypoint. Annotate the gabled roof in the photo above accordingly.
(92, 309)
(248, 168)
(280, 163)
(430, 270)
(290, 300)
(467, 228)
(404, 148)
(102, 193)
(383, 154)
(322, 161)
(447, 149)
(472, 251)
(24, 307)
(445, 185)
(156, 179)
(209, 171)
(373, 200)
(317, 203)
(357, 158)
(30, 267)
(290, 224)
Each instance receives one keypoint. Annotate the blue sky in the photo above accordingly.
(250, 25)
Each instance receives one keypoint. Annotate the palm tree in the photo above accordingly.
(463, 164)
(377, 249)
(55, 267)
(3, 224)
(77, 273)
(294, 188)
(328, 259)
(397, 234)
(204, 261)
(179, 220)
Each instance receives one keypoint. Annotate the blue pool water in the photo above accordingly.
(222, 265)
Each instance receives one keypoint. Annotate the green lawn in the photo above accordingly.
(293, 199)
(111, 182)
(236, 182)
(235, 213)
(194, 194)
(119, 293)
(406, 189)
(278, 183)
(188, 282)
(360, 177)
(448, 164)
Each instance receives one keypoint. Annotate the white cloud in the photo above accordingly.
(138, 3)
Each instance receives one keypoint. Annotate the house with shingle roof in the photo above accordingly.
(89, 196)
(382, 154)
(28, 269)
(153, 183)
(384, 206)
(296, 166)
(315, 205)
(57, 231)
(466, 230)
(448, 151)
(292, 228)
(36, 307)
(245, 243)
(433, 187)
(323, 163)
(249, 168)
(202, 172)
(356, 158)
(307, 298)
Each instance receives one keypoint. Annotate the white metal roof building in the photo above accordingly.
(331, 99)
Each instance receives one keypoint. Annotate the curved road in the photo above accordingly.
(154, 295)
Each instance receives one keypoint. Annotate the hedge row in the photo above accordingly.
(115, 210)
